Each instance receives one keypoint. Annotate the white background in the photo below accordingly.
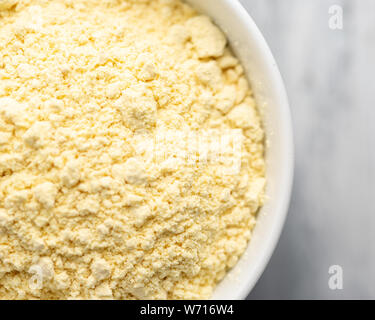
(330, 79)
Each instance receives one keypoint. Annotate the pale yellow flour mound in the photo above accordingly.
(97, 101)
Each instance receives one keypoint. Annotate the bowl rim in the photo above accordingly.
(287, 168)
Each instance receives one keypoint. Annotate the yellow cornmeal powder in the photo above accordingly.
(86, 211)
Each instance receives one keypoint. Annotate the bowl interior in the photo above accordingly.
(251, 48)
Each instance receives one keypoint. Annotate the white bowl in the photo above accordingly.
(251, 48)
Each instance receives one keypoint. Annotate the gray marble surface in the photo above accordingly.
(329, 75)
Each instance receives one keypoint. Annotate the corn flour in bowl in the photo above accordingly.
(131, 151)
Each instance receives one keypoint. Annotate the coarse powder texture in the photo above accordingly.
(85, 211)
